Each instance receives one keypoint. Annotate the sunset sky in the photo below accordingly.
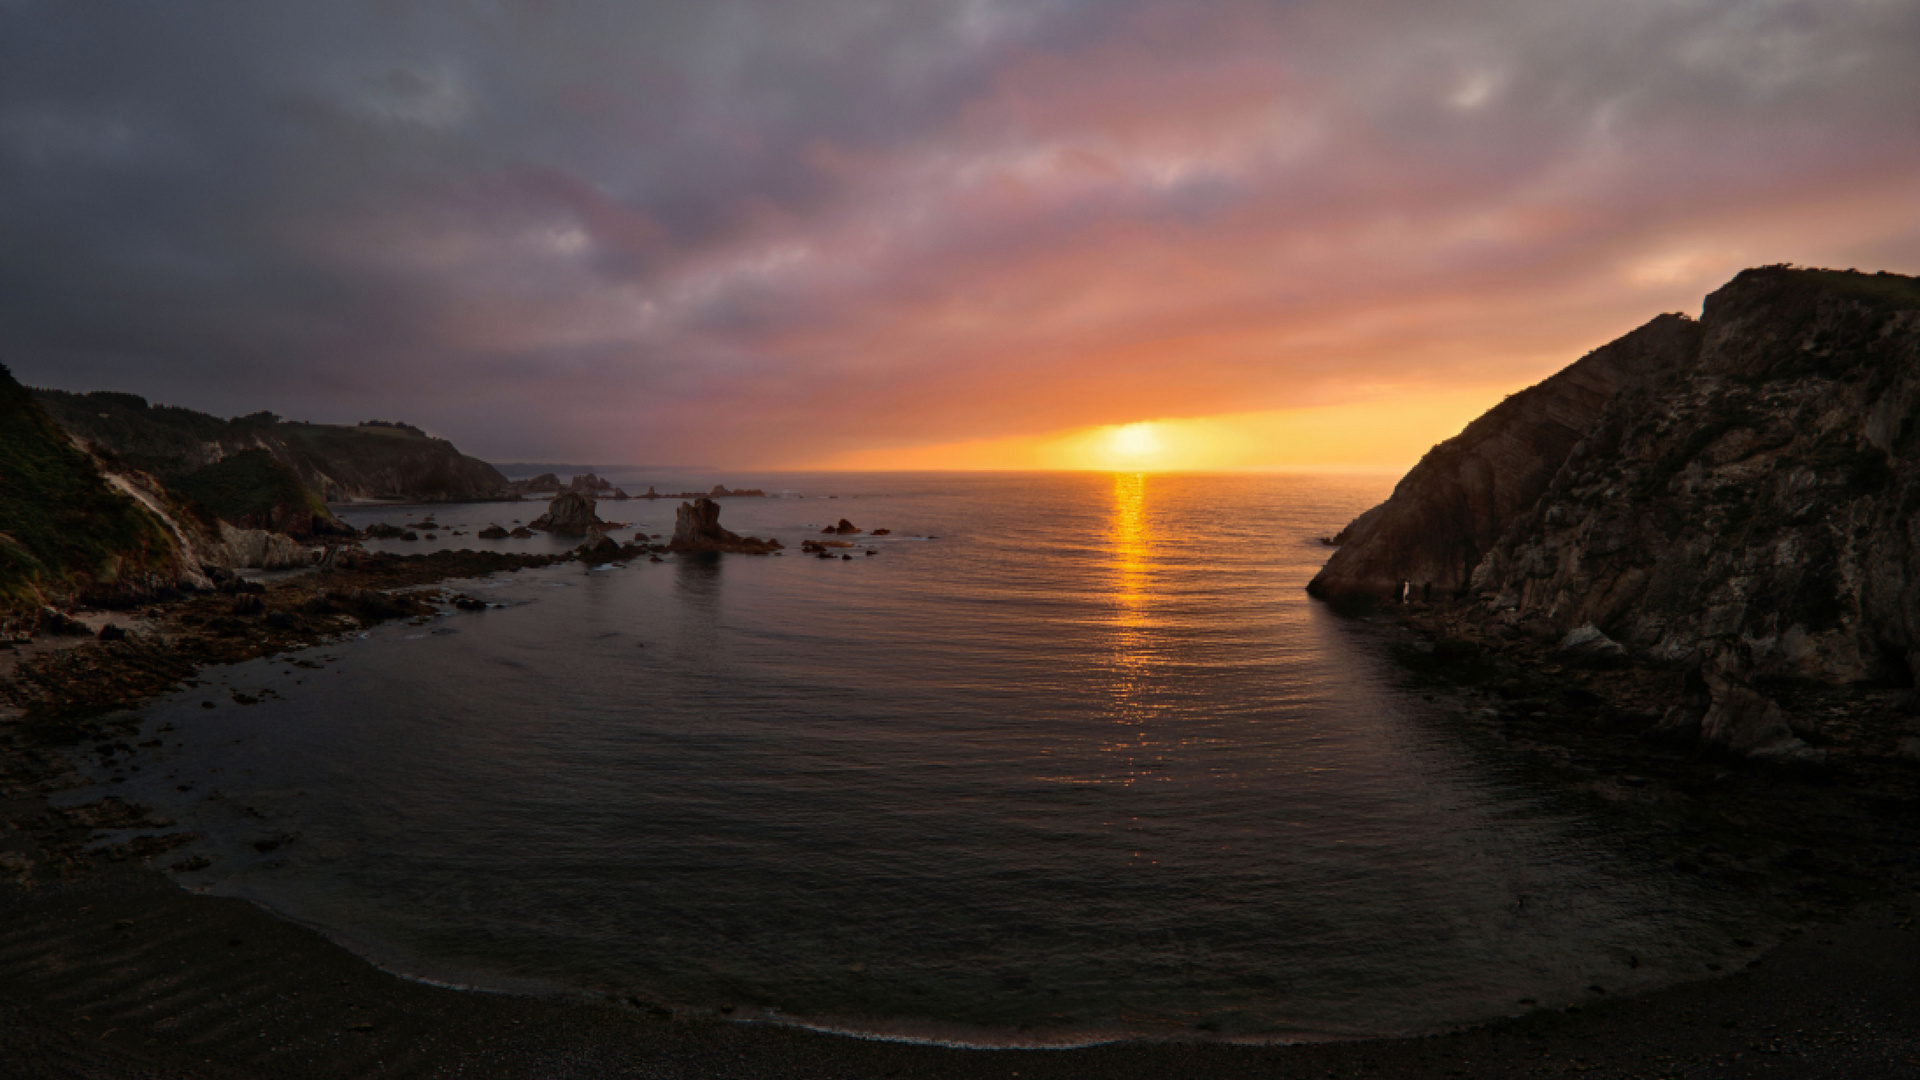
(797, 233)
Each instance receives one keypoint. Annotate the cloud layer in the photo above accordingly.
(775, 233)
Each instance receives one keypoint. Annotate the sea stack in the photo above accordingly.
(696, 530)
(569, 514)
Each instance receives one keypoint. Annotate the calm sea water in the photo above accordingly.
(1087, 762)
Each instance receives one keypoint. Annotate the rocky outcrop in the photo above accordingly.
(1455, 504)
(569, 514)
(1756, 507)
(260, 549)
(589, 484)
(1747, 507)
(844, 528)
(598, 547)
(586, 484)
(696, 530)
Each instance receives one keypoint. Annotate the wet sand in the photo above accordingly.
(120, 974)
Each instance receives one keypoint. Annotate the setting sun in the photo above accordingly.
(1385, 431)
(1134, 444)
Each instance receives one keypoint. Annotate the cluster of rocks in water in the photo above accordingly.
(697, 531)
(720, 491)
(595, 487)
(584, 484)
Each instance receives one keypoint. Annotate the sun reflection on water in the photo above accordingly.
(1130, 544)
(1130, 547)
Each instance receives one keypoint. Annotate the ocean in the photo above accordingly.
(1071, 757)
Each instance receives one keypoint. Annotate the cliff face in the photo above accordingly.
(1738, 494)
(367, 462)
(1455, 504)
(66, 529)
(1755, 511)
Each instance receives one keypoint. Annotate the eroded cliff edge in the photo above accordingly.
(1451, 509)
(1734, 497)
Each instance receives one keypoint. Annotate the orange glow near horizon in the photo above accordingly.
(1388, 433)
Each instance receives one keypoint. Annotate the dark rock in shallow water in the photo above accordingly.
(696, 529)
(845, 528)
(521, 532)
(569, 514)
(599, 547)
(492, 532)
(380, 530)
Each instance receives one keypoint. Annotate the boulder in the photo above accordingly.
(492, 532)
(599, 547)
(521, 532)
(1753, 726)
(1587, 642)
(569, 514)
(696, 530)
(845, 528)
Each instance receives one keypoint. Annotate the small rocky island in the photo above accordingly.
(697, 531)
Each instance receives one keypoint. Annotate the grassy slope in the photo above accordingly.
(380, 461)
(62, 526)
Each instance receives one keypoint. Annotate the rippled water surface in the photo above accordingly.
(1089, 763)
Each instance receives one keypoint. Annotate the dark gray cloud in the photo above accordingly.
(766, 232)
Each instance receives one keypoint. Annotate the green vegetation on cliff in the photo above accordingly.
(335, 462)
(63, 527)
(254, 491)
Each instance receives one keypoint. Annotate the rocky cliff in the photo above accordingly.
(372, 461)
(1736, 496)
(1455, 504)
(1754, 507)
